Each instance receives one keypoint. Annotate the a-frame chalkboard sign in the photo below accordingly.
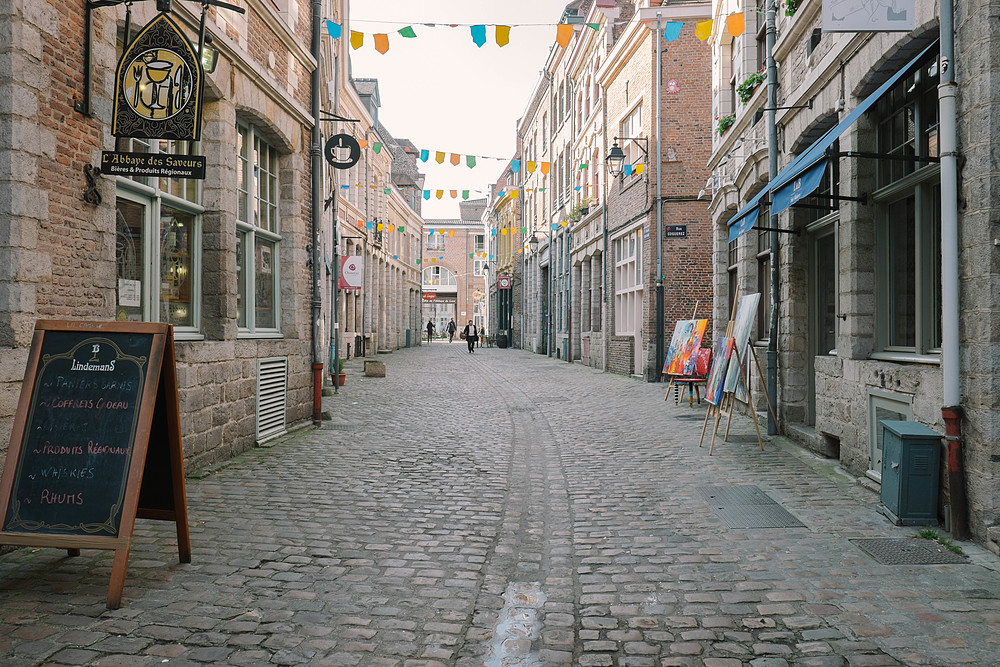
(96, 442)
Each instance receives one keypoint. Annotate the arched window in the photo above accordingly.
(439, 276)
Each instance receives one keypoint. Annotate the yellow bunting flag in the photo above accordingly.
(503, 35)
(531, 166)
(736, 24)
(703, 29)
(439, 194)
(515, 193)
(503, 231)
(439, 158)
(380, 226)
(381, 42)
(639, 168)
(440, 231)
(545, 167)
(357, 39)
(563, 33)
(455, 159)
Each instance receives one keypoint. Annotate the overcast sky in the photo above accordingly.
(443, 93)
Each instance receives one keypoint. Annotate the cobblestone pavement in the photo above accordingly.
(503, 509)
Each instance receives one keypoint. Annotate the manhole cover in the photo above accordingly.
(747, 507)
(908, 551)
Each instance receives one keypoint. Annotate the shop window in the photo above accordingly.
(257, 234)
(628, 284)
(908, 250)
(158, 245)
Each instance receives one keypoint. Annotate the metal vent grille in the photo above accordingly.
(272, 389)
(747, 507)
(908, 551)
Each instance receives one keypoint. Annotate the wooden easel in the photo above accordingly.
(753, 411)
(671, 384)
(716, 409)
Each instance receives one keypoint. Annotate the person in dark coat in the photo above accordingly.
(430, 330)
(452, 328)
(471, 335)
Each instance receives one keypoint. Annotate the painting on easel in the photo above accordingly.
(684, 344)
(716, 375)
(746, 310)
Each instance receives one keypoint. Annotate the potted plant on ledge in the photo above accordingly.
(726, 122)
(745, 89)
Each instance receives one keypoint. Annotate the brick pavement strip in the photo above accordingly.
(504, 508)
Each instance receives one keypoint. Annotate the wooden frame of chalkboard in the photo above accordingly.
(96, 442)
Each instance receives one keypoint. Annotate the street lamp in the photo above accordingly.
(616, 156)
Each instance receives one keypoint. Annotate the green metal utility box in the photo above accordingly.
(911, 455)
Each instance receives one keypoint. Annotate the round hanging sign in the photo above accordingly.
(342, 151)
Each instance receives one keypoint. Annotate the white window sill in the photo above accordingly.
(188, 336)
(907, 357)
(247, 335)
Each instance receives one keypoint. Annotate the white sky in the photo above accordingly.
(442, 92)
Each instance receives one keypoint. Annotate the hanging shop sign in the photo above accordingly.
(504, 282)
(429, 296)
(153, 164)
(159, 85)
(342, 151)
(350, 273)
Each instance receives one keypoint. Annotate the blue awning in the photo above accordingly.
(742, 222)
(799, 187)
(809, 164)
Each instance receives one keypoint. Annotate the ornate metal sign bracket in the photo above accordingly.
(84, 106)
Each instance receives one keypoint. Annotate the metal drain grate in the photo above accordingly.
(747, 507)
(908, 551)
(342, 427)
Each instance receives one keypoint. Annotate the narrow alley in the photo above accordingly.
(506, 509)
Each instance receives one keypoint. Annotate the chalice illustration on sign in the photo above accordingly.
(148, 75)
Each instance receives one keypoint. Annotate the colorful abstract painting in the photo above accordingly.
(683, 346)
(717, 374)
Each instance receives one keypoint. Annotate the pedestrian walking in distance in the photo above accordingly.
(471, 335)
(452, 328)
(430, 330)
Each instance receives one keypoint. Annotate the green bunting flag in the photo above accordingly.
(465, 194)
(470, 160)
(407, 32)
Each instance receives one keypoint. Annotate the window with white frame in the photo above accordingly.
(439, 276)
(631, 126)
(158, 244)
(908, 239)
(257, 233)
(628, 283)
(478, 267)
(480, 242)
(435, 241)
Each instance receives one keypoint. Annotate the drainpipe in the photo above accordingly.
(772, 172)
(316, 166)
(654, 373)
(952, 410)
(335, 238)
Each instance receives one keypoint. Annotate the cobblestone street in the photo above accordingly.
(505, 509)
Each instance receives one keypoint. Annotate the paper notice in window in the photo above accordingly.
(129, 293)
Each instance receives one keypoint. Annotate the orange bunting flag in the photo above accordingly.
(736, 24)
(357, 39)
(363, 143)
(455, 159)
(439, 194)
(503, 35)
(545, 167)
(454, 195)
(563, 33)
(451, 232)
(439, 158)
(381, 42)
(531, 166)
(361, 223)
(703, 29)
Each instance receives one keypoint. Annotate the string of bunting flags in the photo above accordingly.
(735, 26)
(439, 194)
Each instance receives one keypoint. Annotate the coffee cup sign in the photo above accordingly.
(342, 151)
